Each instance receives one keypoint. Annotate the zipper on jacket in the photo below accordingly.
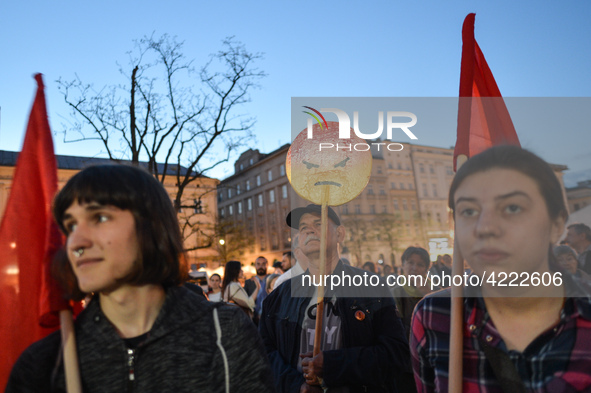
(131, 368)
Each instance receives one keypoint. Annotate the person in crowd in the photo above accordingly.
(233, 292)
(442, 266)
(415, 262)
(363, 345)
(271, 282)
(277, 268)
(137, 333)
(258, 282)
(370, 267)
(287, 261)
(578, 236)
(387, 270)
(509, 212)
(567, 259)
(215, 288)
(301, 264)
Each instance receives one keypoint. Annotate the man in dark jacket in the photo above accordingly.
(363, 343)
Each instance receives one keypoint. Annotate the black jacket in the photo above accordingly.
(180, 353)
(375, 350)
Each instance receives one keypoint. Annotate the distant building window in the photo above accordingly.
(357, 209)
(390, 166)
(382, 191)
(284, 191)
(260, 198)
(222, 212)
(229, 193)
(230, 210)
(402, 186)
(396, 206)
(379, 169)
(345, 209)
(270, 175)
(239, 207)
(248, 185)
(434, 189)
(263, 243)
(198, 206)
(410, 187)
(249, 204)
(272, 196)
(238, 189)
(369, 190)
(258, 180)
(399, 166)
(251, 161)
(393, 186)
(384, 209)
(372, 209)
(282, 170)
(241, 166)
(413, 204)
(425, 191)
(404, 205)
(431, 170)
(421, 168)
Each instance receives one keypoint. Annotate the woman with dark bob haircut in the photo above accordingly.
(141, 331)
(526, 323)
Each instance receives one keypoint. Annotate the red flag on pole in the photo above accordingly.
(29, 298)
(482, 122)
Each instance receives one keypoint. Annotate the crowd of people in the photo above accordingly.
(144, 331)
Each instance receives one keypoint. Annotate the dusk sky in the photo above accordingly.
(311, 49)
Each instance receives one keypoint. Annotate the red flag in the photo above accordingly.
(482, 122)
(28, 240)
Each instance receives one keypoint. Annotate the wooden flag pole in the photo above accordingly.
(73, 384)
(322, 270)
(456, 334)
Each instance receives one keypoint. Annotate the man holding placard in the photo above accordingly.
(362, 341)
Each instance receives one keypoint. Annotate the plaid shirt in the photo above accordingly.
(559, 360)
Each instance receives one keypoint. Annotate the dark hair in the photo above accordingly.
(564, 250)
(289, 254)
(521, 160)
(421, 252)
(529, 164)
(581, 228)
(231, 273)
(215, 274)
(370, 265)
(128, 188)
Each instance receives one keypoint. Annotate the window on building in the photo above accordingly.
(425, 191)
(379, 169)
(431, 169)
(251, 161)
(382, 191)
(229, 193)
(345, 209)
(274, 241)
(282, 170)
(258, 180)
(284, 191)
(434, 190)
(260, 198)
(399, 166)
(390, 166)
(372, 209)
(249, 204)
(384, 209)
(272, 196)
(270, 175)
(413, 204)
(198, 206)
(241, 166)
(357, 209)
(222, 212)
(421, 168)
(239, 207)
(404, 205)
(263, 243)
(238, 189)
(248, 185)
(369, 190)
(402, 186)
(393, 186)
(396, 206)
(230, 210)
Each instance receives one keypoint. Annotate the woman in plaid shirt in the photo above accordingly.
(529, 317)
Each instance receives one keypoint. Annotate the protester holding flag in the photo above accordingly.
(142, 331)
(532, 335)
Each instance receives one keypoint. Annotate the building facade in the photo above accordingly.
(197, 215)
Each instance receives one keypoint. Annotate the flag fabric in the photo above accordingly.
(29, 297)
(483, 118)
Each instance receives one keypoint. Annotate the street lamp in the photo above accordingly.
(222, 242)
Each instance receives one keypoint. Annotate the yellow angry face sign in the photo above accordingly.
(325, 163)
